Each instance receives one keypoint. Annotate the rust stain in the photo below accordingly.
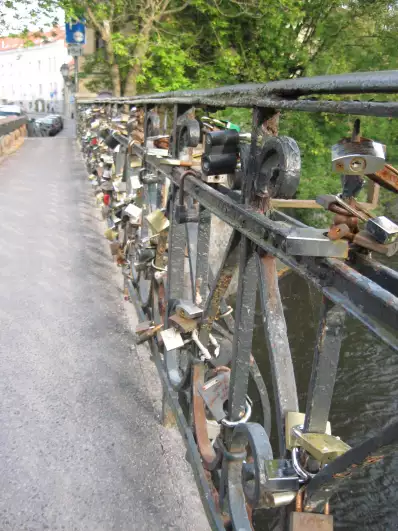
(206, 450)
(387, 177)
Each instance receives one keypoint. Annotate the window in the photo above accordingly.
(40, 89)
(38, 66)
(49, 64)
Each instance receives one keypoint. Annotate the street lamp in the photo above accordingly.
(68, 84)
(65, 71)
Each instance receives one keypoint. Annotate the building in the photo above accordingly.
(30, 70)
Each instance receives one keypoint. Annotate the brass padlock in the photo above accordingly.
(293, 419)
(183, 324)
(300, 521)
(157, 221)
(321, 446)
(310, 521)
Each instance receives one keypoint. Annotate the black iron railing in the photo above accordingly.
(159, 197)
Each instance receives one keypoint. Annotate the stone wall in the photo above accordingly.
(12, 135)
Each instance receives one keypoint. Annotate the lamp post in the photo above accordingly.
(68, 85)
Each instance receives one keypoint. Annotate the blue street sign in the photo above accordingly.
(75, 33)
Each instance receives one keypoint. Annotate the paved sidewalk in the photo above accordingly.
(81, 447)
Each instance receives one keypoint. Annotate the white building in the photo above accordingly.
(30, 71)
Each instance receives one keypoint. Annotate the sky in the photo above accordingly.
(9, 23)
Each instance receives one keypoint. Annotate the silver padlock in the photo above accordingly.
(172, 339)
(358, 158)
(382, 229)
(134, 213)
(189, 310)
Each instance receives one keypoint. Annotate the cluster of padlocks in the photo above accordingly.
(114, 176)
(124, 149)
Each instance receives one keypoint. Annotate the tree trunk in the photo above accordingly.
(115, 72)
(115, 76)
(140, 54)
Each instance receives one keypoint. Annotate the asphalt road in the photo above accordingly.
(81, 446)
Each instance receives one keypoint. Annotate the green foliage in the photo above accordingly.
(160, 45)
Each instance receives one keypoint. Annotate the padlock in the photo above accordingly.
(292, 419)
(182, 324)
(157, 221)
(172, 339)
(187, 309)
(300, 521)
(134, 213)
(310, 521)
(358, 158)
(119, 186)
(323, 447)
(110, 234)
(149, 333)
(363, 239)
(382, 229)
(115, 248)
(215, 393)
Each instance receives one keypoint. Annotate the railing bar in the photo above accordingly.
(201, 273)
(384, 276)
(361, 108)
(359, 82)
(243, 334)
(224, 276)
(324, 368)
(355, 311)
(191, 232)
(188, 438)
(176, 256)
(275, 331)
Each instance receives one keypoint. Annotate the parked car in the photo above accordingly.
(50, 126)
(59, 118)
(11, 110)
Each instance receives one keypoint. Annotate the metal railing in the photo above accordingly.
(158, 202)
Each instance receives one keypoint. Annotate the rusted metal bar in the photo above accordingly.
(284, 383)
(327, 274)
(329, 479)
(220, 286)
(243, 334)
(359, 82)
(360, 108)
(324, 368)
(176, 255)
(383, 275)
(201, 272)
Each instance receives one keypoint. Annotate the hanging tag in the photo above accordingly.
(135, 182)
(134, 213)
(172, 339)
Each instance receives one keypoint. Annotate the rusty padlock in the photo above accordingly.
(300, 521)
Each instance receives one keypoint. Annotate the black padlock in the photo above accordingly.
(219, 164)
(183, 214)
(111, 142)
(218, 142)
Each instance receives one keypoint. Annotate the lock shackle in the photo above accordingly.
(182, 181)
